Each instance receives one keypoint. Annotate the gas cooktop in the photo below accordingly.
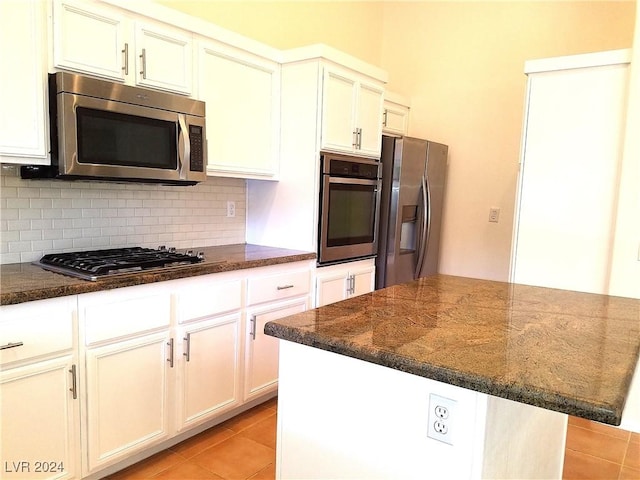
(97, 264)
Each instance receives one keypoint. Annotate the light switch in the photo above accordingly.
(494, 214)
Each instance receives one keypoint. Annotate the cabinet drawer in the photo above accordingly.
(204, 300)
(276, 287)
(36, 329)
(120, 316)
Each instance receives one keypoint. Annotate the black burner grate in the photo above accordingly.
(99, 263)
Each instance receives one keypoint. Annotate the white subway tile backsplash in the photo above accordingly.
(39, 217)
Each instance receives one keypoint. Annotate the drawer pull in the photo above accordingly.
(74, 382)
(11, 345)
(284, 287)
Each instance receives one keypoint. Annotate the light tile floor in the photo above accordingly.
(244, 448)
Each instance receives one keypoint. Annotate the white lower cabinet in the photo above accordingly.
(89, 382)
(209, 317)
(261, 351)
(272, 293)
(127, 397)
(346, 280)
(209, 369)
(129, 358)
(38, 390)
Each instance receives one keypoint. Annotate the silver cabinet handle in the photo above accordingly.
(11, 345)
(384, 118)
(125, 65)
(143, 58)
(74, 382)
(187, 352)
(170, 359)
(253, 321)
(359, 139)
(284, 287)
(351, 285)
(354, 144)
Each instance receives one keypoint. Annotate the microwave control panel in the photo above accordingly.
(197, 155)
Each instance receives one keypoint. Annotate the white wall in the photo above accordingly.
(43, 216)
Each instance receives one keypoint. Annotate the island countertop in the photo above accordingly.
(24, 282)
(565, 351)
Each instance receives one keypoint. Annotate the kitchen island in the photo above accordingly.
(507, 362)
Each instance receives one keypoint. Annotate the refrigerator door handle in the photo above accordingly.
(426, 221)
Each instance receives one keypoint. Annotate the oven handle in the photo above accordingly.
(354, 181)
(184, 147)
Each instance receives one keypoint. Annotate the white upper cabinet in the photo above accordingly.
(163, 57)
(23, 131)
(242, 96)
(351, 113)
(105, 42)
(395, 117)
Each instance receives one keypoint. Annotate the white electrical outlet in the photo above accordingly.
(231, 208)
(494, 214)
(442, 414)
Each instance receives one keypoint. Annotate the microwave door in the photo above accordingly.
(104, 142)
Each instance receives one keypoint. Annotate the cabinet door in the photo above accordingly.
(89, 39)
(22, 81)
(261, 356)
(39, 420)
(395, 119)
(363, 280)
(209, 367)
(127, 397)
(163, 58)
(243, 112)
(338, 111)
(331, 288)
(369, 119)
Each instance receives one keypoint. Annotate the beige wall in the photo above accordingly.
(348, 26)
(461, 64)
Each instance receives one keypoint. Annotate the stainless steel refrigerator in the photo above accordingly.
(413, 181)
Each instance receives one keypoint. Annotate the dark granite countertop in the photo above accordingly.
(24, 282)
(565, 351)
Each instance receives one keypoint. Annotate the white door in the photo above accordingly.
(369, 119)
(163, 58)
(331, 288)
(209, 366)
(23, 80)
(363, 280)
(127, 397)
(243, 112)
(89, 39)
(338, 111)
(39, 421)
(261, 356)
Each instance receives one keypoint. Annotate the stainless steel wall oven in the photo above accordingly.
(349, 200)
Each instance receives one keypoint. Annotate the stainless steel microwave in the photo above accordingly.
(103, 130)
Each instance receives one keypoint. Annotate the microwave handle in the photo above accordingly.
(184, 150)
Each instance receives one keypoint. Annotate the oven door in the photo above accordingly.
(106, 139)
(348, 218)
